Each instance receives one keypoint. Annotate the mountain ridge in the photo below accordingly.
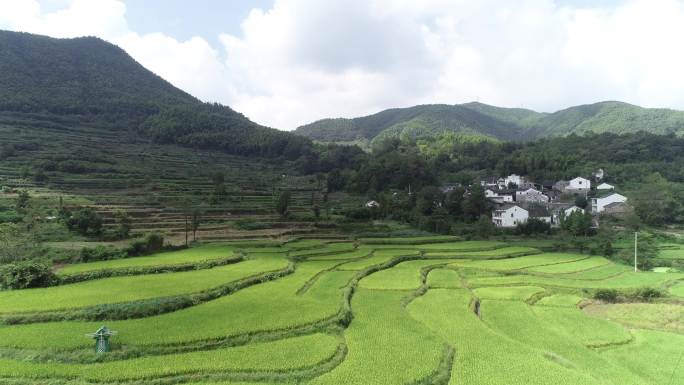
(93, 82)
(509, 124)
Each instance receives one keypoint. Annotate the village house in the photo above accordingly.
(509, 216)
(517, 180)
(599, 204)
(616, 209)
(605, 186)
(540, 212)
(531, 195)
(578, 184)
(499, 196)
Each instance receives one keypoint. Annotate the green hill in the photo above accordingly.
(89, 81)
(429, 121)
(81, 121)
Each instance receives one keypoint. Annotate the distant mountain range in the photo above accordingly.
(509, 124)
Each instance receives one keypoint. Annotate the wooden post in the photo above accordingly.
(636, 236)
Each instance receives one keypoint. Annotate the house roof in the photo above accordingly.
(506, 206)
(614, 204)
(605, 185)
(537, 211)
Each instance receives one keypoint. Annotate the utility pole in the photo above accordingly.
(636, 237)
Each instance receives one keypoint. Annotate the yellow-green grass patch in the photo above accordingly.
(403, 276)
(283, 355)
(572, 267)
(507, 293)
(131, 288)
(269, 306)
(179, 257)
(662, 316)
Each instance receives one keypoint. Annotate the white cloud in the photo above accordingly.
(303, 60)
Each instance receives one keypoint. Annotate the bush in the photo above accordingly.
(101, 253)
(646, 294)
(248, 224)
(358, 214)
(533, 226)
(27, 274)
(148, 245)
(606, 295)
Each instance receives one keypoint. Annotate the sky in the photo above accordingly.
(284, 63)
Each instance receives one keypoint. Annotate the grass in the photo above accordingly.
(283, 355)
(484, 357)
(247, 311)
(131, 288)
(508, 293)
(510, 251)
(295, 329)
(191, 255)
(628, 280)
(408, 240)
(444, 278)
(678, 289)
(578, 326)
(517, 321)
(404, 276)
(654, 356)
(660, 316)
(386, 346)
(572, 267)
(523, 262)
(563, 300)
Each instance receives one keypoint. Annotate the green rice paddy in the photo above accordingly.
(426, 310)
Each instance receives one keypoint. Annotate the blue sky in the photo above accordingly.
(284, 63)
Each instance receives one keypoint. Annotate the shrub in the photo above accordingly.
(646, 294)
(606, 295)
(101, 253)
(148, 245)
(26, 274)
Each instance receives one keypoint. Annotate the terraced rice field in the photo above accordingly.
(374, 311)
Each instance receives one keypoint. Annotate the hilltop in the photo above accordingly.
(508, 124)
(90, 81)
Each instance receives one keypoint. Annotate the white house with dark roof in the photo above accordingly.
(509, 216)
(599, 204)
(579, 184)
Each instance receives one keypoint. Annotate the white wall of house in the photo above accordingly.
(579, 183)
(598, 204)
(513, 178)
(510, 217)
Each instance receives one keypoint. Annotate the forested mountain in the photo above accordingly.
(516, 124)
(89, 81)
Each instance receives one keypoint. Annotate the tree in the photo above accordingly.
(26, 274)
(219, 194)
(23, 199)
(195, 222)
(85, 221)
(454, 203)
(475, 203)
(282, 203)
(484, 227)
(577, 223)
(316, 211)
(428, 199)
(581, 201)
(123, 224)
(654, 202)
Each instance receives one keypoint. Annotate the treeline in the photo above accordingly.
(646, 166)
